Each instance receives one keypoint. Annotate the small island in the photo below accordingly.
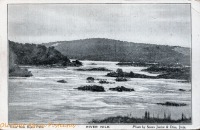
(171, 72)
(92, 88)
(121, 79)
(121, 89)
(121, 73)
(182, 73)
(94, 69)
(172, 104)
(135, 64)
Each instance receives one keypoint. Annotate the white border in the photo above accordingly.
(195, 10)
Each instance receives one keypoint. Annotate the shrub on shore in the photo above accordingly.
(147, 118)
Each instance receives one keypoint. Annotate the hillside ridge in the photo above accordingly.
(116, 50)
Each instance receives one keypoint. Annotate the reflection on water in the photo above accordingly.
(41, 99)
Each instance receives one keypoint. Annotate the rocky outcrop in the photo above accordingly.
(94, 69)
(90, 79)
(121, 79)
(15, 70)
(172, 104)
(121, 89)
(182, 90)
(93, 88)
(19, 72)
(103, 82)
(62, 81)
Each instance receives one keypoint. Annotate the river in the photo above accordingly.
(41, 99)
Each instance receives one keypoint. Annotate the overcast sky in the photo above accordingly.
(167, 24)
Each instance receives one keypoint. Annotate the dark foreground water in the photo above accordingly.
(41, 99)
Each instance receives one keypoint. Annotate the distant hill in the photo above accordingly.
(115, 50)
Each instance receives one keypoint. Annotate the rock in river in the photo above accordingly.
(93, 88)
(182, 90)
(121, 88)
(62, 81)
(172, 104)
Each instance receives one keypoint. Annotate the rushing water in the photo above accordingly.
(41, 99)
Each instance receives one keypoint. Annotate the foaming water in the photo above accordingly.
(41, 99)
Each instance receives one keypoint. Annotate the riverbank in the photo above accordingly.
(146, 119)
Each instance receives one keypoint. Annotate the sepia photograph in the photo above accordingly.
(100, 63)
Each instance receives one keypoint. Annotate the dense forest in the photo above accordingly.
(32, 54)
